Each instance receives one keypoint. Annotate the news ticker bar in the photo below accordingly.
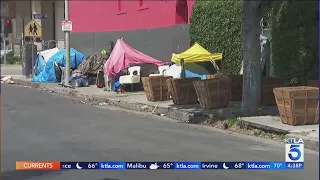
(159, 165)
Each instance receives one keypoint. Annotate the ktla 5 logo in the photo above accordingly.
(294, 150)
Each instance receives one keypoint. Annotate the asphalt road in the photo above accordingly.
(38, 126)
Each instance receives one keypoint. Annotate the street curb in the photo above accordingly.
(168, 112)
(26, 83)
(265, 128)
(309, 142)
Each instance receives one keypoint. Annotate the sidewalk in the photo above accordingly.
(137, 101)
(12, 70)
(309, 133)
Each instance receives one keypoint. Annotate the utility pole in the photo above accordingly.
(67, 43)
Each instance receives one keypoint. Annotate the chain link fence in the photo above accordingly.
(48, 45)
(52, 44)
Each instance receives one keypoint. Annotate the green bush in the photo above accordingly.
(11, 59)
(216, 25)
(295, 41)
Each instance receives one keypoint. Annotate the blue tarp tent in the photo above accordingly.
(48, 73)
(42, 59)
(191, 70)
(40, 64)
(195, 70)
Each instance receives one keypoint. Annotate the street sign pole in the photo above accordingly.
(5, 52)
(67, 43)
(23, 17)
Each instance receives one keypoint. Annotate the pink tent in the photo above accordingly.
(123, 55)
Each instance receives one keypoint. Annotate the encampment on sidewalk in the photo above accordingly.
(188, 88)
(122, 59)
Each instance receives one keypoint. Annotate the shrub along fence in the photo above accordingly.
(217, 25)
(294, 31)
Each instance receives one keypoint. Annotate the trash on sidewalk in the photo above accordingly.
(92, 67)
(78, 80)
(7, 80)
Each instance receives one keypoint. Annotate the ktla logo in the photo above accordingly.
(294, 150)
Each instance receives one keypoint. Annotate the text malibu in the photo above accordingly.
(136, 166)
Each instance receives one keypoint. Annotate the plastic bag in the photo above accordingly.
(79, 81)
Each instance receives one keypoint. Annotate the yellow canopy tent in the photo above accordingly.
(196, 53)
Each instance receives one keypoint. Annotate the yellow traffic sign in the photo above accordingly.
(32, 29)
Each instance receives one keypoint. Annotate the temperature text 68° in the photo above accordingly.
(239, 165)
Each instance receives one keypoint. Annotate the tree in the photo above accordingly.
(252, 13)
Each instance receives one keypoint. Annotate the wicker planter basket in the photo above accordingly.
(313, 83)
(298, 105)
(267, 85)
(215, 76)
(210, 76)
(236, 85)
(182, 90)
(156, 88)
(213, 93)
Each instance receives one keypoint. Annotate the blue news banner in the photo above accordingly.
(182, 165)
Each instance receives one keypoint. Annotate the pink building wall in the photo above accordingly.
(121, 15)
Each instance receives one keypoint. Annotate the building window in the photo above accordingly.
(121, 8)
(182, 12)
(142, 5)
(119, 5)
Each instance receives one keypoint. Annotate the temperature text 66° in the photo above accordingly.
(93, 166)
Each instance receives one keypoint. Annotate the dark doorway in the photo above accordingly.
(182, 12)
